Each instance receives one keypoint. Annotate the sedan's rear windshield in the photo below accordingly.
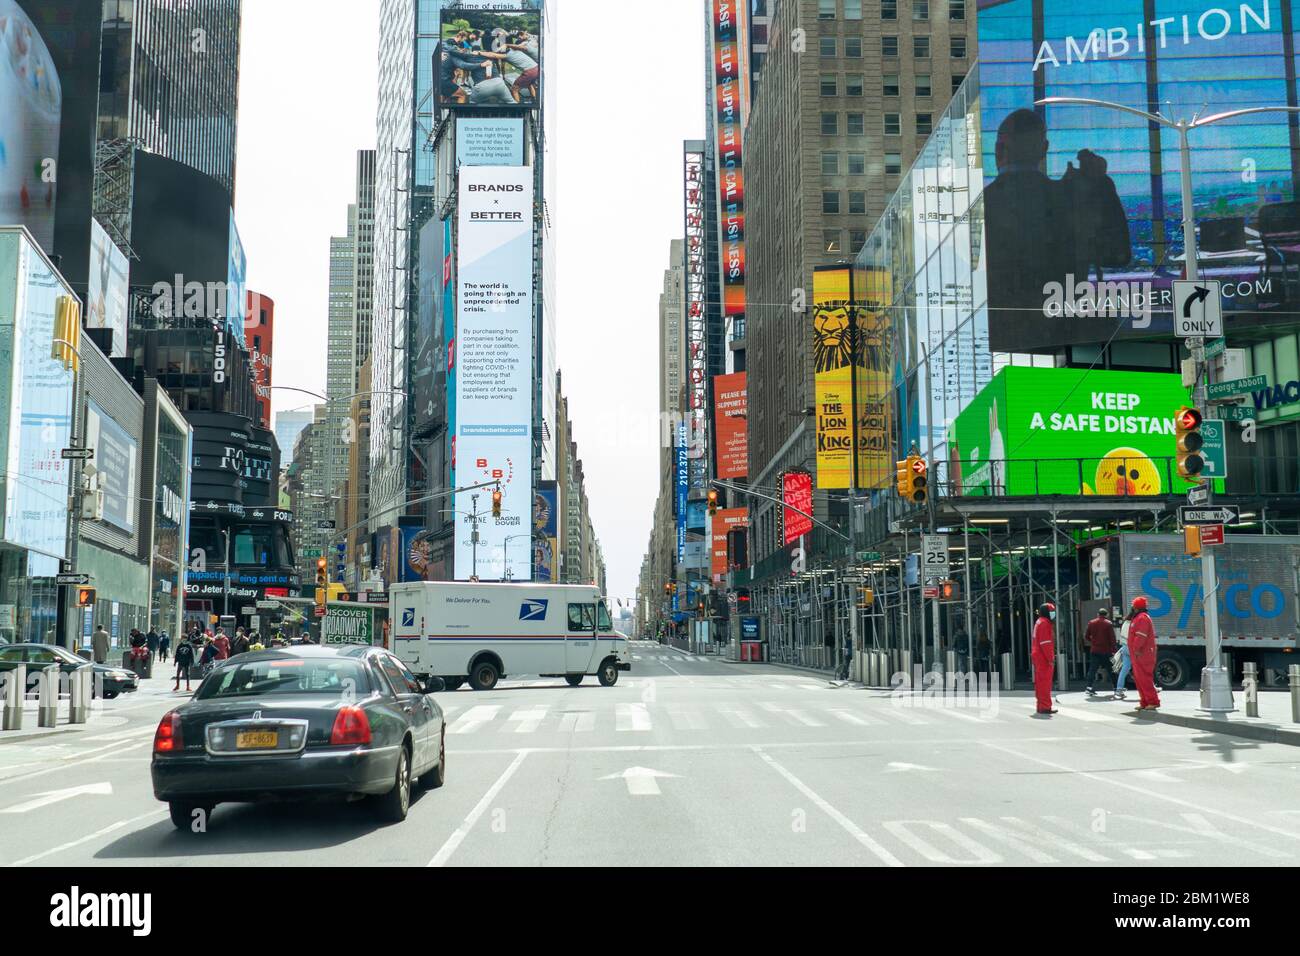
(286, 676)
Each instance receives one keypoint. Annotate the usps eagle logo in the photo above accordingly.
(408, 617)
(533, 609)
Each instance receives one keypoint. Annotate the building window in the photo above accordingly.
(857, 164)
(830, 124)
(889, 9)
(957, 46)
(920, 9)
(830, 202)
(893, 163)
(857, 239)
(825, 9)
(956, 9)
(889, 84)
(957, 79)
(893, 125)
(857, 124)
(921, 47)
(830, 164)
(853, 86)
(852, 9)
(830, 84)
(889, 46)
(923, 84)
(923, 124)
(828, 47)
(831, 242)
(857, 202)
(853, 48)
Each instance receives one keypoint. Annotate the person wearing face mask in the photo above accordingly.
(1043, 656)
(1142, 651)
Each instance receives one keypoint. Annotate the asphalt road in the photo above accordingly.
(695, 761)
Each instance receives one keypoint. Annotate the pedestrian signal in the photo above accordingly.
(1187, 427)
(85, 597)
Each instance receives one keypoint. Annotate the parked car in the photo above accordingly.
(113, 680)
(302, 722)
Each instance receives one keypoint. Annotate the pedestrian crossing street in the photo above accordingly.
(755, 713)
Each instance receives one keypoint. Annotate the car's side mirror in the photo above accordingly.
(434, 685)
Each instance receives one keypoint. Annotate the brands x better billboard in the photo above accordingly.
(1035, 431)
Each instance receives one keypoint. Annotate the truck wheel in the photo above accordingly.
(608, 673)
(574, 679)
(484, 676)
(1171, 671)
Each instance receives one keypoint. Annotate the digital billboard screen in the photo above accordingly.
(797, 496)
(108, 289)
(731, 424)
(489, 58)
(1082, 204)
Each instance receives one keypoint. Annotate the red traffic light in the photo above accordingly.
(320, 564)
(1189, 418)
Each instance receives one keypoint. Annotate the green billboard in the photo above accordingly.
(347, 623)
(1066, 431)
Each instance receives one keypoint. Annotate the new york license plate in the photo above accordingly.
(257, 740)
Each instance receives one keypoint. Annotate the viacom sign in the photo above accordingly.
(1081, 204)
(494, 370)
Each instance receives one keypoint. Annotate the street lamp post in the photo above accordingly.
(1216, 684)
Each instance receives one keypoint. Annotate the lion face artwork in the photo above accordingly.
(831, 346)
(1125, 472)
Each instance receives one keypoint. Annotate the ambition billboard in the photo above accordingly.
(494, 367)
(1082, 204)
(489, 58)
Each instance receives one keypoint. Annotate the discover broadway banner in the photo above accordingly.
(494, 363)
(730, 21)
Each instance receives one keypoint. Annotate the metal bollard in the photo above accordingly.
(1062, 674)
(80, 689)
(1008, 676)
(15, 688)
(1293, 674)
(47, 707)
(950, 669)
(1250, 687)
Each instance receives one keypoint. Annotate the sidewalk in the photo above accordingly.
(1180, 708)
(154, 687)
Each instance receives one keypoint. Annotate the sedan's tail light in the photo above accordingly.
(351, 726)
(167, 739)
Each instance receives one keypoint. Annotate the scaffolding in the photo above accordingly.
(113, 188)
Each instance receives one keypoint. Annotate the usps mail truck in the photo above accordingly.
(481, 633)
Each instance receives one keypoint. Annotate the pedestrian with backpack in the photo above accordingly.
(184, 661)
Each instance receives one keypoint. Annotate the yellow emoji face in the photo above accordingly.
(1125, 472)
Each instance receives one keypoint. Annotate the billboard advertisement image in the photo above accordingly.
(546, 523)
(1035, 431)
(731, 424)
(116, 454)
(489, 142)
(730, 35)
(236, 284)
(108, 290)
(494, 368)
(1083, 206)
(727, 519)
(852, 384)
(489, 58)
(31, 113)
(796, 492)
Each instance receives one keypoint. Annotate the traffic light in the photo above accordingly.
(866, 597)
(496, 503)
(1192, 540)
(911, 478)
(85, 597)
(1187, 426)
(713, 501)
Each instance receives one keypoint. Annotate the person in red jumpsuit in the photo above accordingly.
(1043, 656)
(1142, 651)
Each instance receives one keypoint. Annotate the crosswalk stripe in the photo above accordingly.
(529, 720)
(1009, 838)
(632, 717)
(903, 715)
(739, 717)
(981, 853)
(686, 719)
(474, 718)
(577, 722)
(1085, 715)
(792, 714)
(972, 714)
(851, 718)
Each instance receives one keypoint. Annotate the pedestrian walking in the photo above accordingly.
(164, 644)
(1043, 655)
(99, 645)
(184, 661)
(1125, 662)
(240, 644)
(1142, 650)
(208, 656)
(151, 641)
(1100, 641)
(222, 644)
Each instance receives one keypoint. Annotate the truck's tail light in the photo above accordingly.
(351, 727)
(167, 739)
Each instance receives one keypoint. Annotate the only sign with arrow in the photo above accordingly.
(1198, 308)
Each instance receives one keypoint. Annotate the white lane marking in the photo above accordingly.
(86, 839)
(896, 766)
(114, 749)
(529, 720)
(1201, 827)
(1109, 779)
(686, 719)
(56, 796)
(636, 657)
(1010, 838)
(474, 718)
(903, 714)
(848, 825)
(444, 854)
(123, 734)
(673, 669)
(792, 714)
(578, 723)
(851, 718)
(1081, 714)
(980, 853)
(632, 717)
(972, 714)
(739, 717)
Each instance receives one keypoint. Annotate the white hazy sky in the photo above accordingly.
(307, 104)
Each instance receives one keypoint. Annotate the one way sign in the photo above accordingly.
(1208, 515)
(1198, 309)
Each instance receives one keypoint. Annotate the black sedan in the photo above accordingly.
(301, 722)
(112, 680)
